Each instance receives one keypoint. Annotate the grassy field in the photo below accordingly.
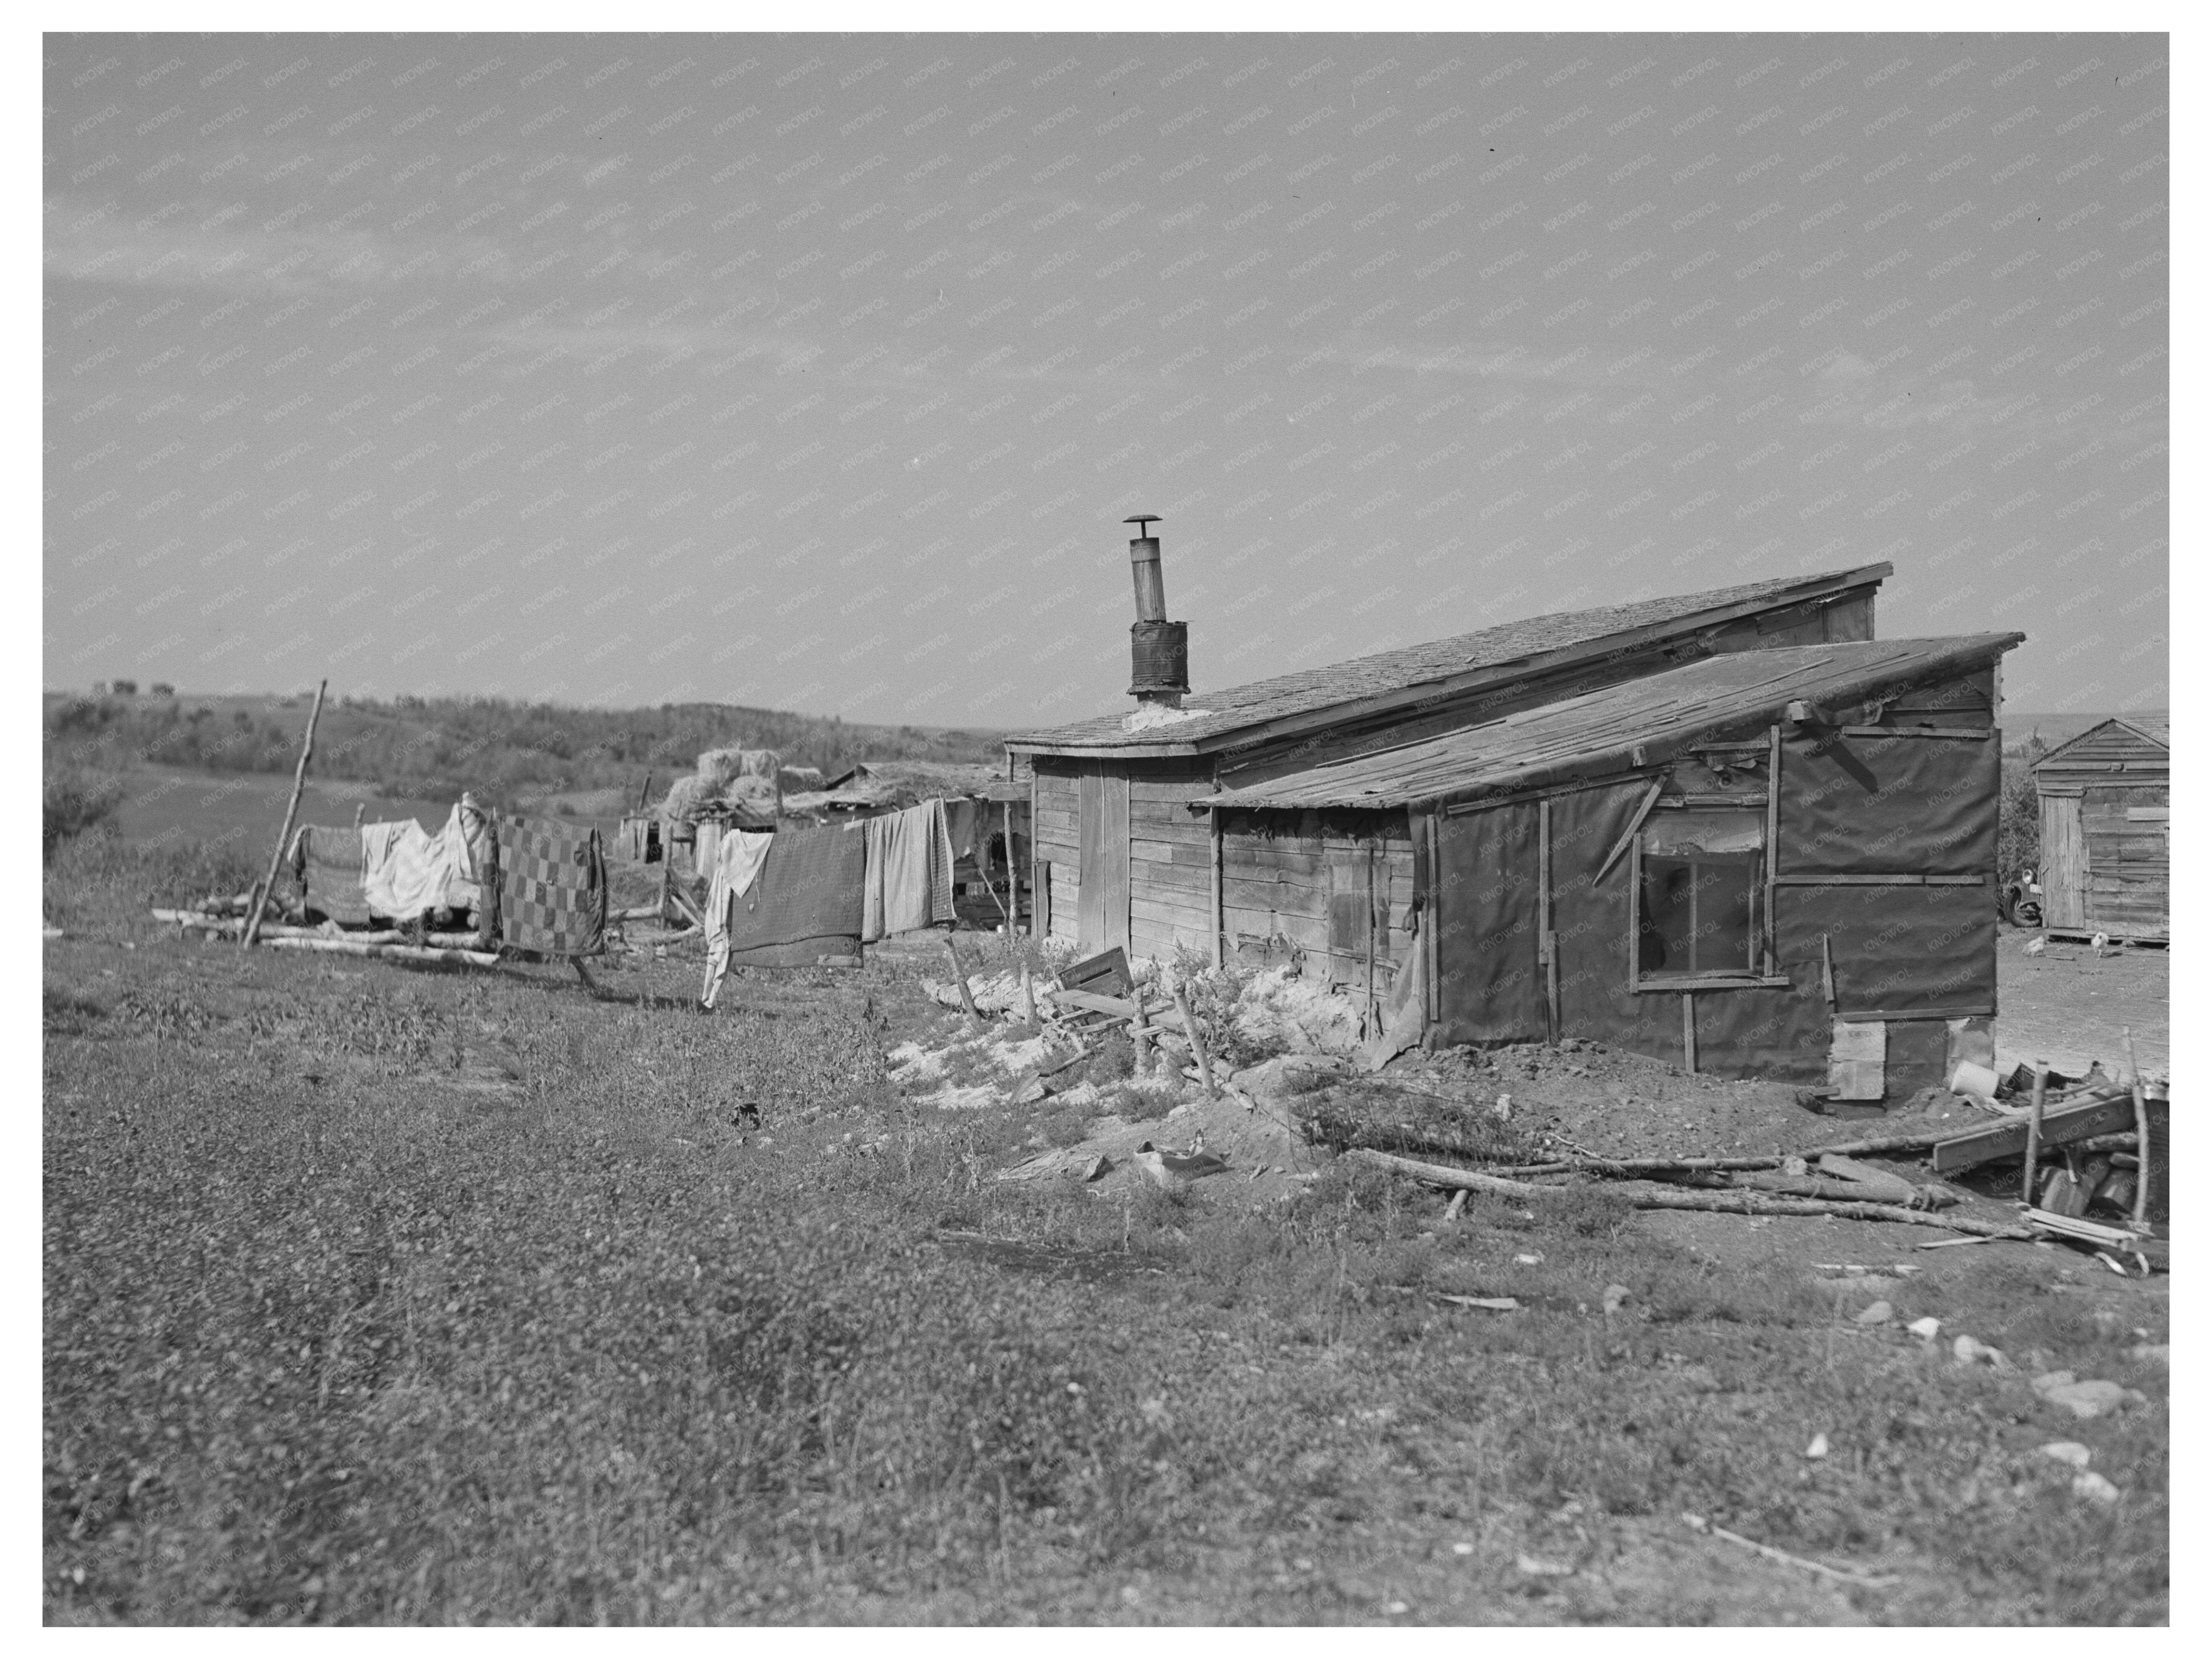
(377, 1295)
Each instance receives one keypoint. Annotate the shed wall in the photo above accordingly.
(1911, 951)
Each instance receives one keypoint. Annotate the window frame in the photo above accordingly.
(1759, 944)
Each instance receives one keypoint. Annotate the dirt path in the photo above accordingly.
(2067, 1005)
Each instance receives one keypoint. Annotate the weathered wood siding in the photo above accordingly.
(1294, 886)
(2065, 871)
(1171, 862)
(2105, 848)
(1058, 854)
(2124, 836)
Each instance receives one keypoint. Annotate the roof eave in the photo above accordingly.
(1267, 730)
(1660, 747)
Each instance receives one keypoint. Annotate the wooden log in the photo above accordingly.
(291, 812)
(960, 979)
(2141, 1209)
(2034, 1133)
(1655, 1196)
(227, 925)
(1444, 1176)
(1745, 1203)
(1197, 1044)
(1028, 993)
(396, 952)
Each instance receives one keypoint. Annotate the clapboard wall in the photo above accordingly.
(2105, 806)
(1295, 887)
(1125, 827)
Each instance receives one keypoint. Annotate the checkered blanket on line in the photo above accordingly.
(552, 887)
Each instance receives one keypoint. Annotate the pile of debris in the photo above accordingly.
(2083, 1143)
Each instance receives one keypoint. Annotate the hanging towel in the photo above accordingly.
(804, 902)
(325, 862)
(909, 872)
(961, 820)
(552, 887)
(737, 866)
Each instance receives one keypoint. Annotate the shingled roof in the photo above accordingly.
(1661, 713)
(1486, 655)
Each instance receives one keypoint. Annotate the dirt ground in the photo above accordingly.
(2067, 1004)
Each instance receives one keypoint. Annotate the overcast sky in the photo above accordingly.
(819, 373)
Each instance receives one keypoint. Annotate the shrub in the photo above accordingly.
(77, 801)
(2019, 823)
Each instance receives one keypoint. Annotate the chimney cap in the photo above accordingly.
(1144, 521)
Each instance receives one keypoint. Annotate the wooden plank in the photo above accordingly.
(1887, 879)
(1166, 816)
(2112, 1110)
(1195, 787)
(1767, 947)
(1114, 875)
(1121, 1007)
(1172, 904)
(1142, 845)
(1715, 982)
(1315, 879)
(1182, 918)
(1147, 875)
(1278, 897)
(1244, 856)
(1969, 733)
(1213, 919)
(1309, 931)
(1635, 822)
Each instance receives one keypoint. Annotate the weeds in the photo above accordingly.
(331, 1344)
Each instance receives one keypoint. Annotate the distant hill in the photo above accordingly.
(432, 749)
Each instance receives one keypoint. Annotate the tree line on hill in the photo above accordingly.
(434, 748)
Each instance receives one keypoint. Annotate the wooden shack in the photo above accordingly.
(2106, 834)
(1774, 865)
(1120, 860)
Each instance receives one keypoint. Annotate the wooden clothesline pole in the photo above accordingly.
(276, 855)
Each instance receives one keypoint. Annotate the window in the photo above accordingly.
(1699, 878)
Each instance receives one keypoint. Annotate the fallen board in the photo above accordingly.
(1091, 1003)
(2110, 1111)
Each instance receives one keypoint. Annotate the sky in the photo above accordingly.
(818, 372)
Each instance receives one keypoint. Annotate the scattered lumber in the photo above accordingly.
(2103, 1111)
(1119, 1007)
(1740, 1202)
(396, 952)
(1659, 1196)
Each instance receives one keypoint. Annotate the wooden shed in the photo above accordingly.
(1121, 860)
(1774, 865)
(2106, 836)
